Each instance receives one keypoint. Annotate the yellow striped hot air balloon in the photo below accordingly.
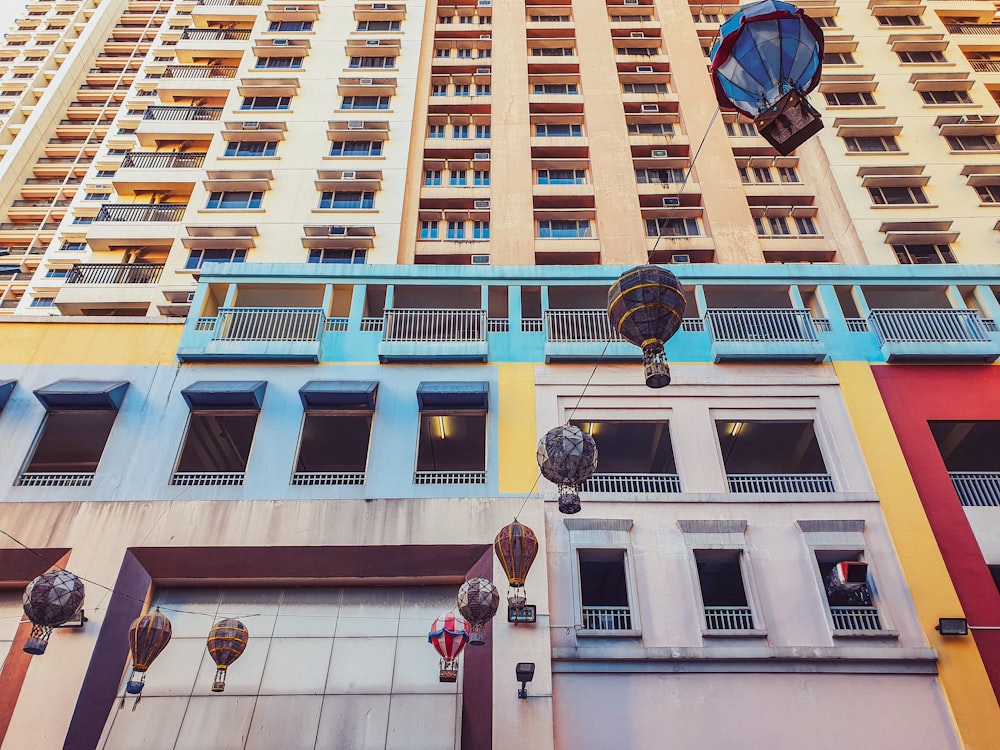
(226, 643)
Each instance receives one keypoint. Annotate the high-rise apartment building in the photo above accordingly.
(290, 292)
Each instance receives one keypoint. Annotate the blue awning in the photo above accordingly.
(83, 394)
(6, 388)
(339, 394)
(434, 395)
(225, 394)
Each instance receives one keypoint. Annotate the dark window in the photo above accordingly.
(849, 98)
(347, 199)
(947, 96)
(199, 257)
(217, 442)
(290, 26)
(378, 26)
(920, 56)
(279, 62)
(972, 142)
(356, 148)
(451, 442)
(871, 143)
(337, 256)
(900, 21)
(365, 102)
(266, 102)
(923, 254)
(71, 441)
(686, 227)
(989, 193)
(251, 148)
(333, 442)
(838, 58)
(604, 590)
(899, 195)
(235, 199)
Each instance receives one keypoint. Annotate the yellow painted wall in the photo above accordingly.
(57, 343)
(518, 467)
(963, 677)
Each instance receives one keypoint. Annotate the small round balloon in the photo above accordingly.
(478, 600)
(50, 600)
(567, 456)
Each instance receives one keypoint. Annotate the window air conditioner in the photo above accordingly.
(970, 120)
(630, 2)
(355, 125)
(373, 42)
(480, 204)
(366, 81)
(680, 258)
(379, 6)
(637, 35)
(485, 36)
(279, 43)
(190, 297)
(291, 8)
(337, 231)
(671, 201)
(480, 260)
(650, 108)
(251, 125)
(348, 175)
(485, 3)
(659, 153)
(643, 68)
(481, 156)
(483, 71)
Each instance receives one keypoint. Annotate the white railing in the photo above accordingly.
(728, 618)
(310, 478)
(449, 477)
(855, 618)
(336, 325)
(55, 479)
(857, 325)
(977, 489)
(372, 324)
(761, 325)
(269, 324)
(927, 326)
(985, 66)
(498, 325)
(205, 324)
(780, 482)
(579, 325)
(208, 478)
(434, 325)
(532, 325)
(607, 482)
(607, 618)
(693, 325)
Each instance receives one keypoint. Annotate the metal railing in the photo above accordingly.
(327, 478)
(728, 618)
(334, 325)
(855, 618)
(228, 2)
(200, 71)
(55, 479)
(370, 325)
(115, 273)
(141, 212)
(208, 478)
(434, 325)
(607, 618)
(761, 325)
(498, 325)
(269, 324)
(449, 477)
(532, 325)
(608, 482)
(215, 35)
(780, 483)
(579, 325)
(975, 29)
(163, 160)
(857, 325)
(205, 324)
(693, 325)
(927, 326)
(167, 112)
(977, 489)
(985, 66)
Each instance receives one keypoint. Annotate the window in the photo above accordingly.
(266, 102)
(251, 148)
(456, 230)
(481, 177)
(826, 22)
(741, 129)
(464, 53)
(972, 142)
(686, 227)
(333, 448)
(432, 177)
(723, 590)
(604, 590)
(439, 52)
(461, 89)
(561, 176)
(923, 254)
(458, 178)
(899, 21)
(378, 25)
(900, 195)
(555, 88)
(235, 199)
(989, 193)
(42, 302)
(771, 226)
(459, 131)
(290, 26)
(564, 228)
(484, 53)
(638, 51)
(651, 128)
(199, 257)
(374, 62)
(558, 130)
(838, 58)
(216, 447)
(57, 273)
(349, 199)
(946, 96)
(435, 131)
(659, 176)
(634, 456)
(73, 247)
(429, 230)
(279, 62)
(788, 175)
(645, 88)
(439, 89)
(848, 590)
(870, 143)
(357, 256)
(483, 89)
(805, 225)
(480, 230)
(549, 19)
(849, 98)
(451, 441)
(920, 56)
(767, 456)
(482, 131)
(356, 148)
(552, 51)
(762, 174)
(365, 102)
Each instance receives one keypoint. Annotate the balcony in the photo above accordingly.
(115, 273)
(855, 619)
(162, 160)
(632, 483)
(755, 335)
(773, 457)
(133, 212)
(607, 618)
(215, 35)
(770, 483)
(174, 113)
(977, 489)
(933, 334)
(262, 333)
(123, 287)
(584, 335)
(433, 334)
(728, 618)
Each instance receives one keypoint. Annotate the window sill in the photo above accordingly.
(953, 105)
(866, 107)
(882, 153)
(868, 635)
(232, 210)
(329, 157)
(245, 112)
(881, 206)
(345, 210)
(368, 111)
(255, 158)
(755, 633)
(922, 64)
(581, 633)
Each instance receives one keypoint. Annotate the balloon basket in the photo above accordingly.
(789, 123)
(655, 367)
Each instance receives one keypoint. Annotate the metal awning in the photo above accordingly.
(440, 394)
(83, 394)
(225, 394)
(339, 394)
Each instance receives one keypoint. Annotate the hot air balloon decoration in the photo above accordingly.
(847, 585)
(478, 600)
(50, 600)
(226, 642)
(147, 637)
(516, 546)
(646, 306)
(567, 456)
(768, 57)
(449, 634)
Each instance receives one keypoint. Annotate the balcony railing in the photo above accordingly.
(141, 212)
(228, 2)
(532, 325)
(115, 273)
(207, 478)
(855, 618)
(932, 326)
(607, 618)
(728, 618)
(579, 325)
(976, 29)
(327, 478)
(761, 325)
(55, 479)
(200, 71)
(163, 160)
(857, 325)
(166, 112)
(608, 482)
(769, 483)
(449, 477)
(977, 489)
(269, 324)
(215, 35)
(985, 66)
(372, 324)
(434, 325)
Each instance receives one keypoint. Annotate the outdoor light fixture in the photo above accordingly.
(952, 626)
(525, 671)
(525, 614)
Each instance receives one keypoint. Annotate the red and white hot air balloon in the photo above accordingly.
(449, 634)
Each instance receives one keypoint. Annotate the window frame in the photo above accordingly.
(254, 200)
(223, 412)
(607, 534)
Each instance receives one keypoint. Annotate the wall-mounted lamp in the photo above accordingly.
(76, 621)
(526, 614)
(736, 429)
(525, 671)
(952, 626)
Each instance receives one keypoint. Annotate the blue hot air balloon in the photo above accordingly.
(768, 57)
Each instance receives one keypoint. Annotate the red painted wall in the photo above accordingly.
(915, 395)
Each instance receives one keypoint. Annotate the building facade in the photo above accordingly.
(291, 292)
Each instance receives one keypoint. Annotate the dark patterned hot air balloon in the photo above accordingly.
(516, 546)
(49, 601)
(646, 306)
(478, 600)
(226, 643)
(769, 56)
(567, 456)
(449, 634)
(147, 637)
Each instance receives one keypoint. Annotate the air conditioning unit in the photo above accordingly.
(630, 2)
(190, 297)
(671, 201)
(485, 36)
(483, 71)
(373, 42)
(481, 156)
(291, 8)
(650, 108)
(480, 260)
(366, 81)
(659, 153)
(348, 175)
(643, 68)
(481, 204)
(379, 6)
(251, 125)
(337, 231)
(355, 125)
(970, 120)
(680, 258)
(637, 35)
(279, 43)
(485, 3)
